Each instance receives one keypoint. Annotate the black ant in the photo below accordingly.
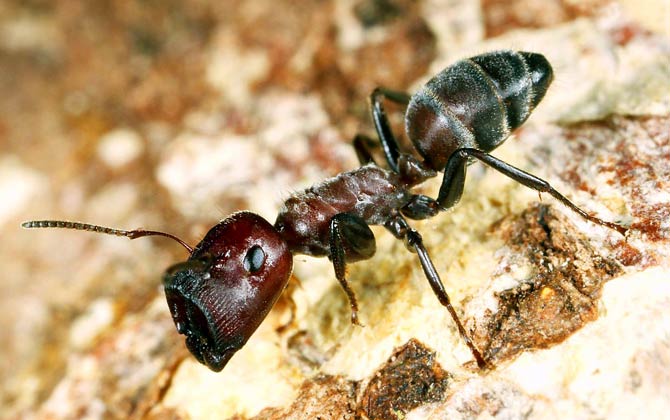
(221, 294)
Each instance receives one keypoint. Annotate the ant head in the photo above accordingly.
(221, 294)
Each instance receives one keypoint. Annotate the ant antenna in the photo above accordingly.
(132, 234)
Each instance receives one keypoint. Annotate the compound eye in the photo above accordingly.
(254, 259)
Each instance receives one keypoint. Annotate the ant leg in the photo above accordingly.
(401, 230)
(420, 207)
(350, 240)
(454, 178)
(411, 170)
(361, 145)
(386, 137)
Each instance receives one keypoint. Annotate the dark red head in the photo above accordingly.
(221, 294)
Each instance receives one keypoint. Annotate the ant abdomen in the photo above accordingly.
(475, 103)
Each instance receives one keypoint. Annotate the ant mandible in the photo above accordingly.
(233, 277)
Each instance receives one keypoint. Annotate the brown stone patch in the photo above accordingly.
(410, 378)
(560, 294)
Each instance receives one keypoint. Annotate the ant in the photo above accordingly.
(233, 277)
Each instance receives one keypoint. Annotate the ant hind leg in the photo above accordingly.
(454, 178)
(386, 138)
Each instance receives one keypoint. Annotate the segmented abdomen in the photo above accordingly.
(476, 103)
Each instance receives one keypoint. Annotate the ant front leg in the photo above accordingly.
(400, 229)
(350, 240)
(454, 179)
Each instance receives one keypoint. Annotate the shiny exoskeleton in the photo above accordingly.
(233, 277)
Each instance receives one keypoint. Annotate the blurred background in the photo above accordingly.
(169, 115)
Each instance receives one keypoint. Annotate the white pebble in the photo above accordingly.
(119, 147)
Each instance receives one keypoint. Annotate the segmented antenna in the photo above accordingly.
(131, 234)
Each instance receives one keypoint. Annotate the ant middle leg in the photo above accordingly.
(362, 145)
(420, 207)
(454, 179)
(350, 240)
(400, 229)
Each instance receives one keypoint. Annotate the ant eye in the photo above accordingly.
(254, 259)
